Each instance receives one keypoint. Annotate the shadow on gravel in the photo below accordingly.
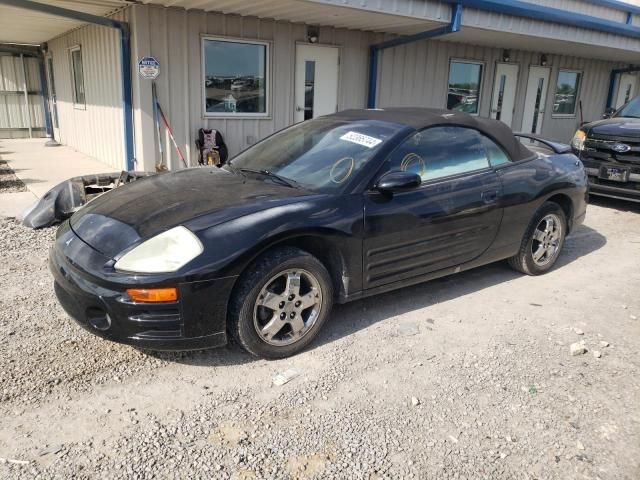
(614, 203)
(352, 317)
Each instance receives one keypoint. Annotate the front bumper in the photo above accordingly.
(629, 190)
(196, 321)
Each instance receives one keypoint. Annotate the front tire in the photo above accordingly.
(542, 241)
(280, 303)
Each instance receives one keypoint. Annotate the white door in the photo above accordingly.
(51, 88)
(535, 99)
(316, 81)
(626, 89)
(504, 92)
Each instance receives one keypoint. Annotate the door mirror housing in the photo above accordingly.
(608, 112)
(398, 181)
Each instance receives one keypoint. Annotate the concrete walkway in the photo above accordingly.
(40, 168)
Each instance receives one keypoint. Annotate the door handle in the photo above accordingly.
(489, 196)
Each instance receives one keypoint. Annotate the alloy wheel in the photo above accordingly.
(287, 307)
(546, 240)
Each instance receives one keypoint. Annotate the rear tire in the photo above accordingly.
(542, 242)
(280, 303)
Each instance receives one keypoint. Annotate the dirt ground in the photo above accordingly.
(470, 377)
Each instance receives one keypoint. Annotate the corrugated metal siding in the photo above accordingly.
(547, 30)
(586, 8)
(96, 130)
(417, 75)
(173, 37)
(13, 112)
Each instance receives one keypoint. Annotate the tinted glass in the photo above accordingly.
(631, 109)
(495, 154)
(78, 77)
(440, 152)
(464, 87)
(566, 96)
(321, 154)
(235, 77)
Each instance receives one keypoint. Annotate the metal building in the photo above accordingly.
(248, 69)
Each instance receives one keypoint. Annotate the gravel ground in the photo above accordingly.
(469, 376)
(9, 183)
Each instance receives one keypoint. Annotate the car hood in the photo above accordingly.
(129, 214)
(618, 126)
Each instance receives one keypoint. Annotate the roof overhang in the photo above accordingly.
(486, 28)
(26, 26)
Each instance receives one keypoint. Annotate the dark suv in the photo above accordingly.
(610, 151)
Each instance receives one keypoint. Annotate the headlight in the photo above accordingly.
(578, 140)
(166, 252)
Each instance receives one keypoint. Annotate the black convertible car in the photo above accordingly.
(328, 210)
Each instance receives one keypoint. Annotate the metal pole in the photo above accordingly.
(26, 94)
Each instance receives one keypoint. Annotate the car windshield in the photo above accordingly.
(631, 109)
(320, 155)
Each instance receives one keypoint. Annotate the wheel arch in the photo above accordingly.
(566, 204)
(324, 244)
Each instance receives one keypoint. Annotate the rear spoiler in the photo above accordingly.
(557, 147)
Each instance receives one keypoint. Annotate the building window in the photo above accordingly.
(566, 96)
(464, 86)
(236, 77)
(77, 75)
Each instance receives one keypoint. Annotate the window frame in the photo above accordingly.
(74, 93)
(578, 90)
(267, 75)
(427, 183)
(483, 68)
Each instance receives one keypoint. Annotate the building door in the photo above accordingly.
(504, 92)
(535, 99)
(51, 88)
(626, 89)
(317, 70)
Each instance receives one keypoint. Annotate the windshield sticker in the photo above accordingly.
(361, 139)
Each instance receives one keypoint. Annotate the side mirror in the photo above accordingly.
(608, 112)
(398, 181)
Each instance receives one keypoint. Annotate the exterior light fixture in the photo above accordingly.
(313, 34)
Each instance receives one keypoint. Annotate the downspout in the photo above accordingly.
(48, 126)
(125, 55)
(612, 81)
(452, 27)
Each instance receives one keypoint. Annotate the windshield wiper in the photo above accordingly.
(283, 180)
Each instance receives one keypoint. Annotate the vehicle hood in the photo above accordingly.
(132, 213)
(618, 126)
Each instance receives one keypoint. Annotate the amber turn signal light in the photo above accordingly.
(153, 295)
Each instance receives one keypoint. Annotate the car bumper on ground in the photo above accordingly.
(196, 321)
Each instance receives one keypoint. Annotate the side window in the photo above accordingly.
(78, 77)
(440, 152)
(496, 155)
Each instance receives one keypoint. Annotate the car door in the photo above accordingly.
(450, 219)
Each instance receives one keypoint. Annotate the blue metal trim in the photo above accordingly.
(612, 81)
(452, 27)
(622, 6)
(125, 50)
(127, 96)
(518, 8)
(373, 77)
(45, 98)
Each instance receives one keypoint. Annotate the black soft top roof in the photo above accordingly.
(420, 118)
